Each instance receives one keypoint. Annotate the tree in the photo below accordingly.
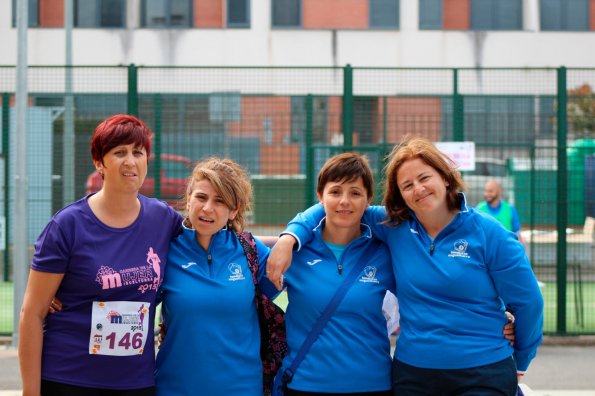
(581, 111)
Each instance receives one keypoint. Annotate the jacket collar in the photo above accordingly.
(366, 230)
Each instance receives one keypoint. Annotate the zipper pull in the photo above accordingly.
(340, 268)
(432, 249)
(209, 259)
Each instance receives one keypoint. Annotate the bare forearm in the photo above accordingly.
(280, 259)
(30, 346)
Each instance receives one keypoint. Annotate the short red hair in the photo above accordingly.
(117, 130)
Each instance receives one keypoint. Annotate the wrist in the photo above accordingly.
(287, 239)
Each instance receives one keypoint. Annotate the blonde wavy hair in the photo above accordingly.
(230, 181)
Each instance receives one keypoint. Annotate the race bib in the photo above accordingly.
(119, 328)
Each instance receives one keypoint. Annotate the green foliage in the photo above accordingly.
(581, 111)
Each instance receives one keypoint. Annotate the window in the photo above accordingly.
(484, 15)
(99, 13)
(384, 14)
(167, 13)
(496, 15)
(430, 14)
(238, 13)
(287, 13)
(225, 107)
(564, 15)
(364, 111)
(319, 119)
(509, 119)
(33, 11)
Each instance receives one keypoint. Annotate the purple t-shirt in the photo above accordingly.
(103, 265)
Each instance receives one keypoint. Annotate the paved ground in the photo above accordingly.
(558, 370)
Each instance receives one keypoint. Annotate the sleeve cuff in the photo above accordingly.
(299, 243)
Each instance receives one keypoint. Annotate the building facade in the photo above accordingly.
(384, 33)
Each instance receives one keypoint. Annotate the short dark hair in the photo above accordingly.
(119, 129)
(346, 167)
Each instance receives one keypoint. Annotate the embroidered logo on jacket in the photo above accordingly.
(369, 275)
(236, 272)
(190, 264)
(313, 262)
(460, 249)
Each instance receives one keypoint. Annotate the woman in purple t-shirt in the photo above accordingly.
(102, 257)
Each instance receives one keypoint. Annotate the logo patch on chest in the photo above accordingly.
(460, 249)
(236, 272)
(369, 275)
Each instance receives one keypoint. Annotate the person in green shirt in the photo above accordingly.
(498, 208)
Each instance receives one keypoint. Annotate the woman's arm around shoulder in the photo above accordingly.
(375, 217)
(265, 285)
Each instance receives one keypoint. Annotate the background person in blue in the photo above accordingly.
(208, 297)
(500, 209)
(456, 270)
(352, 354)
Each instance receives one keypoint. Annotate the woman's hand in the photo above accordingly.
(55, 305)
(162, 333)
(509, 328)
(280, 259)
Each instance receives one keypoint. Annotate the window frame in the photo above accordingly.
(239, 25)
(384, 27)
(563, 25)
(440, 25)
(98, 21)
(167, 15)
(33, 17)
(493, 5)
(300, 17)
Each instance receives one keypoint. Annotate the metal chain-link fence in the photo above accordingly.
(283, 123)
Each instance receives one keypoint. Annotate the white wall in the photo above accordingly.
(261, 46)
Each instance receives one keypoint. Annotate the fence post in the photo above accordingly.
(157, 145)
(562, 198)
(348, 107)
(5, 137)
(384, 122)
(310, 187)
(458, 111)
(133, 89)
(532, 199)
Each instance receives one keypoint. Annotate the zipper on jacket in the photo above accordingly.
(340, 268)
(210, 261)
(432, 249)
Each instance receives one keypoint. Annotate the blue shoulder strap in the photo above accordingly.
(328, 312)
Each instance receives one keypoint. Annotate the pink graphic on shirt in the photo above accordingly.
(154, 260)
(141, 316)
(148, 275)
(108, 278)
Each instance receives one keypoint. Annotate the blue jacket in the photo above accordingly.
(353, 352)
(212, 345)
(453, 290)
